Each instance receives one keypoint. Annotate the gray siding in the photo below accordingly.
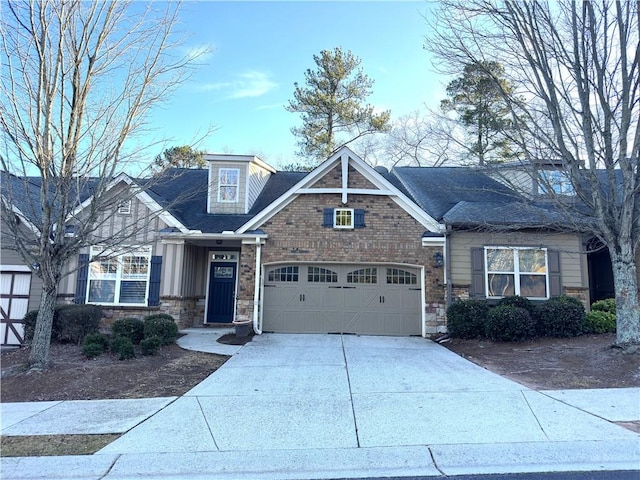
(258, 177)
(572, 263)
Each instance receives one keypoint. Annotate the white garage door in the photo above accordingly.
(328, 298)
(14, 302)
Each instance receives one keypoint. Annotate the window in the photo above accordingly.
(516, 271)
(283, 274)
(343, 218)
(555, 181)
(124, 208)
(119, 278)
(364, 275)
(398, 276)
(321, 275)
(228, 185)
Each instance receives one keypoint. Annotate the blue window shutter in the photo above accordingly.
(555, 279)
(358, 218)
(154, 281)
(328, 217)
(477, 287)
(82, 278)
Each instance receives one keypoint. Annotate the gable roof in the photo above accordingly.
(344, 158)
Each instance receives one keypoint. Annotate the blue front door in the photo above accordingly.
(222, 290)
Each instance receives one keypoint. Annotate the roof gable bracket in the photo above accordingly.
(344, 163)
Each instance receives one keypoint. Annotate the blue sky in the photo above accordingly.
(259, 49)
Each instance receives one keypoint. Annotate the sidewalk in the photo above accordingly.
(295, 407)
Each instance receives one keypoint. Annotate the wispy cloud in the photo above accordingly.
(199, 53)
(248, 84)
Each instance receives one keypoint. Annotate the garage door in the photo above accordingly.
(14, 302)
(363, 299)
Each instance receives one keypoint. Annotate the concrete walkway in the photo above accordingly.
(331, 406)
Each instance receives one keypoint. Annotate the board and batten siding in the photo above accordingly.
(572, 264)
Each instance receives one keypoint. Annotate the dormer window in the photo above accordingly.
(555, 182)
(228, 184)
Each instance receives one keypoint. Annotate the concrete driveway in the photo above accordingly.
(335, 392)
(290, 407)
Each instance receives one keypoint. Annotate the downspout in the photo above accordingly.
(256, 289)
(447, 268)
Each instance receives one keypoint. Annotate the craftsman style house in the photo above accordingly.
(344, 248)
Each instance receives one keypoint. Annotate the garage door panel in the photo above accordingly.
(360, 299)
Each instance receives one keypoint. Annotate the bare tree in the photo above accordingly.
(78, 80)
(576, 105)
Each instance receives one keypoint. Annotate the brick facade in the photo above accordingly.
(391, 235)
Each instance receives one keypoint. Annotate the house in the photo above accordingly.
(344, 248)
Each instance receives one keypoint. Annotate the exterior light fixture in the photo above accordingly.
(438, 260)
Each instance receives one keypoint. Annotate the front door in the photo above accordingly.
(222, 292)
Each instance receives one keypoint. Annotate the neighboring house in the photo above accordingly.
(344, 248)
(20, 287)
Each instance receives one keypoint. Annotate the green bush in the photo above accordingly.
(29, 323)
(151, 345)
(92, 350)
(132, 328)
(71, 323)
(123, 347)
(465, 318)
(599, 322)
(517, 301)
(98, 339)
(560, 317)
(508, 323)
(161, 325)
(608, 305)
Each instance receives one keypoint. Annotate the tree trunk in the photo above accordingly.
(41, 343)
(627, 309)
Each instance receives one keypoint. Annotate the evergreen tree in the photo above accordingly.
(333, 102)
(478, 99)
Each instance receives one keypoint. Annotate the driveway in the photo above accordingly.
(288, 392)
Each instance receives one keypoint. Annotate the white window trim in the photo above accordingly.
(237, 185)
(102, 252)
(335, 218)
(516, 270)
(124, 208)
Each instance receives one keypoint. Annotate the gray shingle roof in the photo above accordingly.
(437, 190)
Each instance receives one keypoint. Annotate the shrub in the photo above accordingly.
(123, 347)
(74, 322)
(517, 301)
(560, 317)
(608, 305)
(71, 323)
(98, 339)
(599, 322)
(29, 323)
(465, 318)
(161, 325)
(132, 328)
(92, 350)
(151, 345)
(508, 323)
